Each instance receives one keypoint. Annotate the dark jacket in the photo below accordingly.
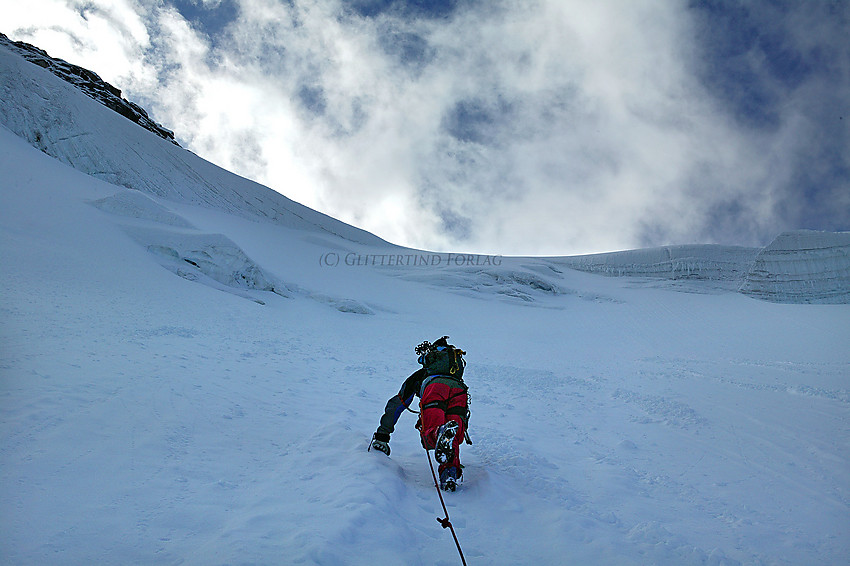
(441, 363)
(411, 388)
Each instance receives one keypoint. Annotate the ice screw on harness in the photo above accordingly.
(446, 523)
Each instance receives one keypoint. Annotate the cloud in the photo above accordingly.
(781, 70)
(535, 127)
(107, 36)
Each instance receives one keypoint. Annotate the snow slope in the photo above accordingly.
(190, 380)
(58, 119)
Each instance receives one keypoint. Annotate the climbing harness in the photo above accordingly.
(446, 523)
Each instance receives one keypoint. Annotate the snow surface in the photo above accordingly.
(187, 379)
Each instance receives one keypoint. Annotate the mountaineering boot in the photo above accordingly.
(380, 445)
(448, 479)
(443, 451)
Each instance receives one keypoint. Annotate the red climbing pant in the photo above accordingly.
(443, 400)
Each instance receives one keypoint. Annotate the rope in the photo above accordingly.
(446, 523)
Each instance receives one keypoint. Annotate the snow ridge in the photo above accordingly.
(90, 83)
(58, 119)
(61, 121)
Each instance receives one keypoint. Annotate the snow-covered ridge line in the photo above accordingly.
(91, 84)
(58, 119)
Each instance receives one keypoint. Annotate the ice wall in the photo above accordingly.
(700, 262)
(797, 267)
(802, 267)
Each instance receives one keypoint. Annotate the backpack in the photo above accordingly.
(441, 358)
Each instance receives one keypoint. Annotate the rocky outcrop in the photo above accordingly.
(90, 83)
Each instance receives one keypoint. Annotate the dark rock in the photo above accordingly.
(91, 84)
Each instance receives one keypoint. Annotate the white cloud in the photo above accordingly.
(107, 37)
(545, 126)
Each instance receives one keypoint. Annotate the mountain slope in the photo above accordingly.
(55, 116)
(147, 418)
(59, 119)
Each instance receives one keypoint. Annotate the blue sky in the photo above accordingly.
(522, 127)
